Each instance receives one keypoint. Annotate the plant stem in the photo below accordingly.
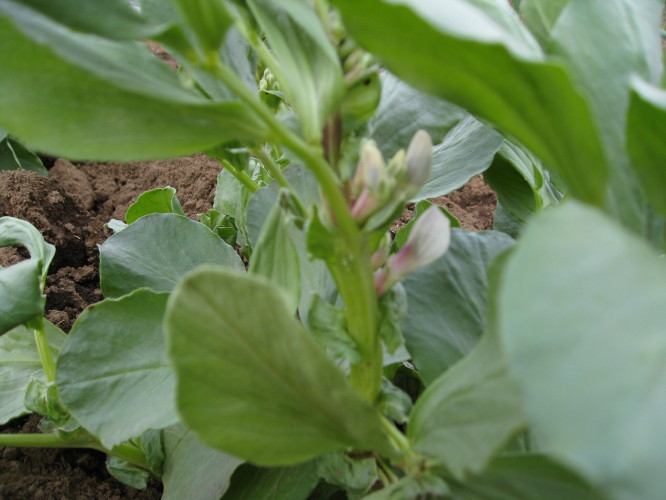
(241, 176)
(352, 271)
(126, 452)
(43, 348)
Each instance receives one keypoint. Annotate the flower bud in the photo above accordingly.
(419, 160)
(427, 242)
(370, 170)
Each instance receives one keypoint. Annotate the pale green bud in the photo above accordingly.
(371, 169)
(419, 160)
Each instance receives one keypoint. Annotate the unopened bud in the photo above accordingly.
(370, 170)
(419, 159)
(427, 242)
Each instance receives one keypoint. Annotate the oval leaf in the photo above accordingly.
(112, 373)
(252, 381)
(446, 311)
(109, 101)
(582, 318)
(20, 363)
(155, 251)
(192, 469)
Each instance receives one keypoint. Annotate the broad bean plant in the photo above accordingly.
(286, 345)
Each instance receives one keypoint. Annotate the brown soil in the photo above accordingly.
(70, 208)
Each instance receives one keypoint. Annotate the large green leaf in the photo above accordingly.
(276, 398)
(192, 469)
(403, 110)
(466, 415)
(20, 363)
(113, 374)
(605, 42)
(308, 68)
(524, 477)
(540, 17)
(22, 284)
(156, 250)
(460, 53)
(114, 19)
(275, 256)
(582, 318)
(467, 150)
(278, 483)
(81, 96)
(646, 129)
(447, 300)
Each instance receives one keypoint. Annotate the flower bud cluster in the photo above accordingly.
(376, 185)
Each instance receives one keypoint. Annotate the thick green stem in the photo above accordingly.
(352, 271)
(241, 176)
(43, 349)
(126, 452)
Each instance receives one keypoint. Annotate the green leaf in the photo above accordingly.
(110, 100)
(114, 19)
(595, 296)
(155, 201)
(520, 182)
(403, 110)
(468, 149)
(193, 470)
(156, 251)
(603, 61)
(355, 475)
(445, 49)
(208, 19)
(392, 312)
(447, 301)
(328, 325)
(315, 278)
(14, 155)
(526, 477)
(278, 399)
(20, 363)
(426, 486)
(540, 17)
(309, 71)
(114, 360)
(646, 126)
(275, 256)
(22, 284)
(127, 473)
(280, 483)
(467, 414)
